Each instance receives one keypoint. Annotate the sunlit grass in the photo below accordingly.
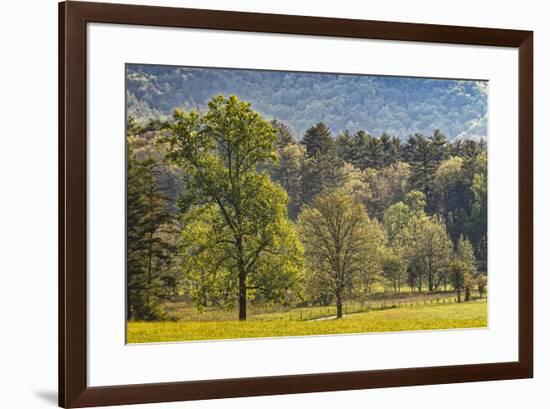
(406, 318)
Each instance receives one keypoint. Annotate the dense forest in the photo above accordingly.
(400, 106)
(227, 208)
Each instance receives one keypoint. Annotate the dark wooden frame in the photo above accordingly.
(73, 388)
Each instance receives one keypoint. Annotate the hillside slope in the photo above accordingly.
(399, 106)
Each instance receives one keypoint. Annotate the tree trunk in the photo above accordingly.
(149, 269)
(128, 307)
(242, 280)
(338, 304)
(458, 295)
(242, 298)
(430, 277)
(242, 292)
(150, 247)
(467, 294)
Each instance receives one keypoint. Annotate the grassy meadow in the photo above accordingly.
(409, 312)
(405, 315)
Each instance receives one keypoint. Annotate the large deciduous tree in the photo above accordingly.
(240, 237)
(342, 245)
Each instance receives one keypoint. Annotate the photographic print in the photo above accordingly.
(270, 203)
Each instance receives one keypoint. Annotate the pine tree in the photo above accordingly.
(148, 249)
(345, 146)
(425, 155)
(285, 136)
(318, 140)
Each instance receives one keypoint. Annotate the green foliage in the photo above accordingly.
(240, 235)
(463, 269)
(285, 135)
(400, 215)
(148, 222)
(428, 250)
(322, 172)
(393, 268)
(318, 140)
(289, 173)
(425, 155)
(387, 185)
(481, 281)
(457, 274)
(342, 246)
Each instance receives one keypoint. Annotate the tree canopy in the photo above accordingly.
(241, 227)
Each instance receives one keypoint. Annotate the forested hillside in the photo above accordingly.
(393, 105)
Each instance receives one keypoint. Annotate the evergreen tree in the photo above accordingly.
(285, 135)
(148, 246)
(392, 149)
(361, 155)
(318, 140)
(425, 155)
(345, 146)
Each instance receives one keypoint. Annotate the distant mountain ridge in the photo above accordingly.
(398, 106)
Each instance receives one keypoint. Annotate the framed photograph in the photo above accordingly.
(255, 204)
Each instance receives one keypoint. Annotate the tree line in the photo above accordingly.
(226, 208)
